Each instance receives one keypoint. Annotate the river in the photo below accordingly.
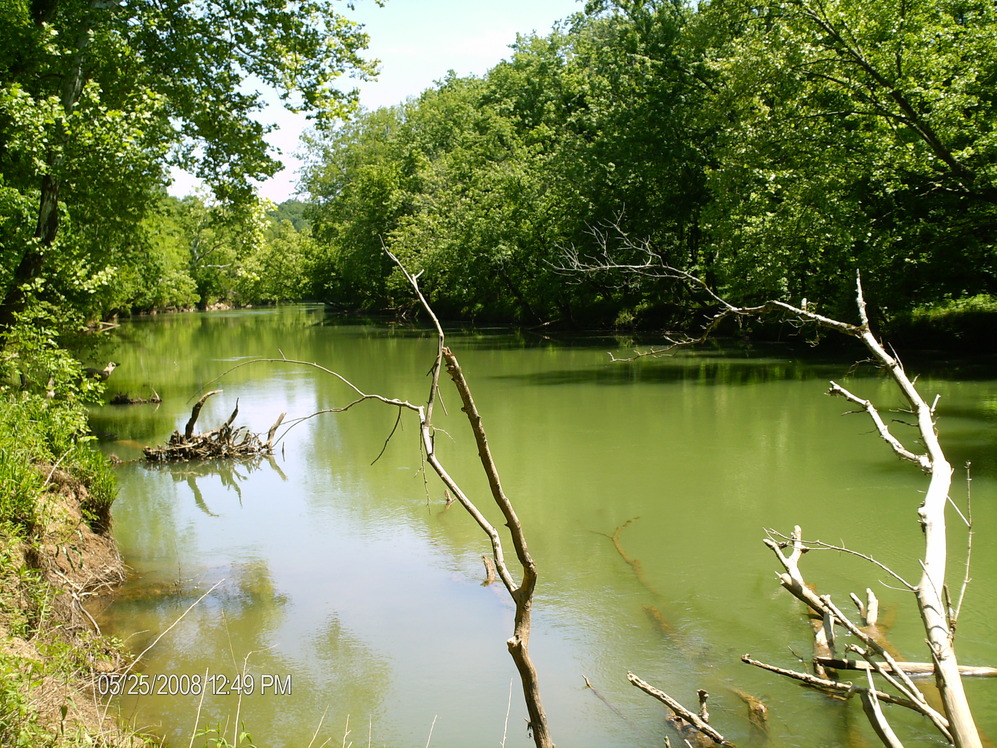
(349, 604)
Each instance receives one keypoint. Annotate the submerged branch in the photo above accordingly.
(680, 711)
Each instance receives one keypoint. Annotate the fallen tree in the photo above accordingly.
(219, 443)
(937, 611)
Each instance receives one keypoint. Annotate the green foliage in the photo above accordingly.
(91, 468)
(275, 270)
(36, 359)
(966, 323)
(20, 485)
(36, 431)
(98, 99)
(853, 136)
(196, 251)
(38, 434)
(357, 193)
(770, 146)
(18, 723)
(482, 182)
(215, 737)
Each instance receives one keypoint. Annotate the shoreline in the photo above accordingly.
(51, 649)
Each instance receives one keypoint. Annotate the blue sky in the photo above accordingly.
(417, 42)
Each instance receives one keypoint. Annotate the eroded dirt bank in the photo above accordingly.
(51, 649)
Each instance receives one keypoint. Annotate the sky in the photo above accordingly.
(417, 43)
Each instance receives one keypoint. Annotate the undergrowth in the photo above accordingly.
(41, 659)
(965, 323)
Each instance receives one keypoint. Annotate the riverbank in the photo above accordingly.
(56, 555)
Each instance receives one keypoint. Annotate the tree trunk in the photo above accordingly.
(934, 612)
(47, 227)
(523, 594)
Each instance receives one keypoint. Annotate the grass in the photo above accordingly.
(46, 657)
(966, 322)
(35, 432)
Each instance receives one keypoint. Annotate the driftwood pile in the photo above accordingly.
(222, 442)
(123, 398)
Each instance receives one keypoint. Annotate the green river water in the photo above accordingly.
(352, 600)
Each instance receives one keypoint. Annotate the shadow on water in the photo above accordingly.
(707, 368)
(232, 473)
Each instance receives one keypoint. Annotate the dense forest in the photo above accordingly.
(772, 148)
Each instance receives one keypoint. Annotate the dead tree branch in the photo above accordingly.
(930, 591)
(633, 563)
(195, 412)
(521, 592)
(821, 545)
(911, 668)
(223, 442)
(825, 610)
(603, 699)
(683, 714)
(845, 689)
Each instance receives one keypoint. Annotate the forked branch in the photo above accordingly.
(696, 721)
(930, 591)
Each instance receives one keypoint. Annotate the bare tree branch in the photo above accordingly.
(884, 431)
(931, 589)
(821, 545)
(826, 684)
(692, 718)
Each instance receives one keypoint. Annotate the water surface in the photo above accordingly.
(354, 581)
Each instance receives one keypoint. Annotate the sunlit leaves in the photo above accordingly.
(483, 181)
(98, 97)
(853, 134)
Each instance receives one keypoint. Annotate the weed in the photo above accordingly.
(215, 738)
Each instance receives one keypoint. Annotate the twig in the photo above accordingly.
(431, 728)
(602, 698)
(968, 519)
(911, 668)
(398, 420)
(170, 627)
(845, 688)
(679, 710)
(821, 545)
(884, 430)
(197, 715)
(508, 710)
(346, 730)
(633, 563)
(317, 728)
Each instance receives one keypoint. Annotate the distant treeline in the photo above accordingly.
(771, 147)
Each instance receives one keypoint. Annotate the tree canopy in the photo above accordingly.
(772, 147)
(99, 96)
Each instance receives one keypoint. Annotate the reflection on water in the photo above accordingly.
(353, 579)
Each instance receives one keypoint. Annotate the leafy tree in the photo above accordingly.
(482, 181)
(355, 181)
(854, 135)
(292, 211)
(277, 270)
(97, 95)
(769, 146)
